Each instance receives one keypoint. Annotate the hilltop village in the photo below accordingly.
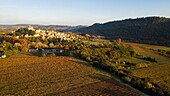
(38, 41)
(47, 34)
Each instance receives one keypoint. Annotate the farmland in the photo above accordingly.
(159, 73)
(31, 75)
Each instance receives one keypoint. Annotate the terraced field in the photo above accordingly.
(61, 76)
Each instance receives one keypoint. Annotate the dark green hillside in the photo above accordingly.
(150, 30)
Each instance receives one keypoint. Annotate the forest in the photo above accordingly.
(148, 30)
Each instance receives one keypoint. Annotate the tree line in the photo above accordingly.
(112, 58)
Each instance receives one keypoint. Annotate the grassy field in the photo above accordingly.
(144, 50)
(160, 72)
(30, 75)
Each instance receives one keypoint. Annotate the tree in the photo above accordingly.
(149, 85)
(51, 45)
(24, 49)
(45, 41)
(118, 41)
(24, 31)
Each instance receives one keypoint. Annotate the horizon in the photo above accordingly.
(78, 12)
(87, 25)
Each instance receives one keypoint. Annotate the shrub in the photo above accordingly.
(9, 52)
(24, 49)
(52, 55)
(88, 59)
(149, 85)
(15, 51)
(150, 59)
(141, 65)
(43, 55)
(127, 79)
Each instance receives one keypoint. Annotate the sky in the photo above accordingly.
(78, 12)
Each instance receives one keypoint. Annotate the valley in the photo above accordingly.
(36, 61)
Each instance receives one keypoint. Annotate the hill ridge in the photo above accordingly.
(150, 30)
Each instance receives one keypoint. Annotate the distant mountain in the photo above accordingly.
(150, 30)
(47, 27)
